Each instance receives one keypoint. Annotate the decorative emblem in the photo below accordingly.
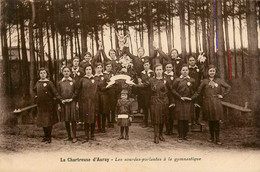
(44, 84)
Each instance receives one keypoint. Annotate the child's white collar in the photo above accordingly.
(106, 72)
(144, 72)
(101, 74)
(195, 66)
(91, 76)
(65, 79)
(73, 69)
(185, 77)
(171, 73)
(43, 79)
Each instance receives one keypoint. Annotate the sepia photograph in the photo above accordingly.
(130, 85)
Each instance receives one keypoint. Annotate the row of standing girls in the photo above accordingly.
(168, 95)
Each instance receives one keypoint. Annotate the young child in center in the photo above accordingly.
(184, 110)
(124, 115)
(211, 90)
(87, 97)
(68, 111)
(45, 94)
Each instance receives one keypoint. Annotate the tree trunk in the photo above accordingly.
(196, 30)
(241, 41)
(227, 38)
(212, 56)
(150, 29)
(234, 38)
(204, 35)
(82, 11)
(49, 52)
(159, 26)
(24, 58)
(32, 54)
(253, 56)
(220, 36)
(42, 59)
(5, 63)
(189, 26)
(182, 29)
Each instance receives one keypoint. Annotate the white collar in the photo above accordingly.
(64, 79)
(193, 67)
(43, 79)
(87, 61)
(91, 76)
(76, 70)
(106, 72)
(171, 73)
(185, 77)
(149, 71)
(101, 74)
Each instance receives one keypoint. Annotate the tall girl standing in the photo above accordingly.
(184, 110)
(87, 97)
(159, 102)
(211, 90)
(45, 94)
(68, 113)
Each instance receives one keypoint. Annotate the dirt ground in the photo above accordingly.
(24, 138)
(21, 149)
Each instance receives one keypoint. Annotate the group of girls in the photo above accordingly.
(166, 88)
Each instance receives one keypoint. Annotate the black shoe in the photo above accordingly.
(161, 138)
(180, 140)
(44, 139)
(211, 140)
(156, 140)
(219, 143)
(187, 138)
(48, 141)
(121, 137)
(74, 140)
(85, 140)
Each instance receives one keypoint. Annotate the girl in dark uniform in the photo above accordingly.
(144, 93)
(111, 95)
(159, 102)
(211, 90)
(45, 94)
(68, 113)
(101, 106)
(87, 97)
(170, 77)
(196, 73)
(182, 90)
